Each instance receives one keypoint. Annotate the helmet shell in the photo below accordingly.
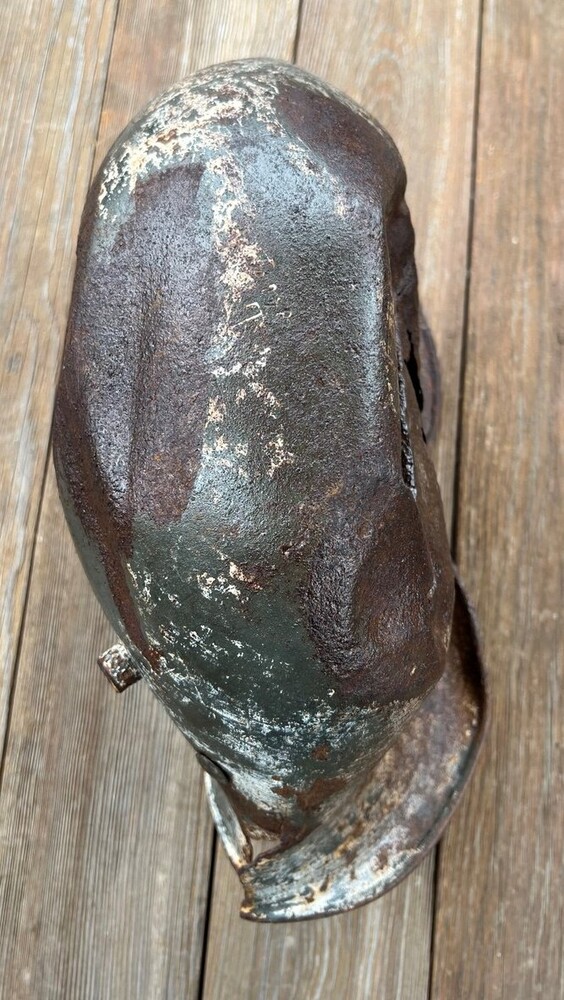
(238, 437)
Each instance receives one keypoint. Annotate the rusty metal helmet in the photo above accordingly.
(240, 444)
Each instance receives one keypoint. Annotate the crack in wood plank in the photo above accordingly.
(52, 102)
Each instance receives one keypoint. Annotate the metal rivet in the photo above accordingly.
(116, 664)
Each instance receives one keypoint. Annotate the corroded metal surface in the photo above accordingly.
(240, 449)
(118, 666)
(391, 818)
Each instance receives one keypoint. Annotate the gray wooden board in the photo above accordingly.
(500, 906)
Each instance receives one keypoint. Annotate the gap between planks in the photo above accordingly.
(460, 406)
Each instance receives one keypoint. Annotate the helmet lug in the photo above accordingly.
(118, 667)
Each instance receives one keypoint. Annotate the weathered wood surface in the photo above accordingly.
(105, 842)
(500, 907)
(53, 65)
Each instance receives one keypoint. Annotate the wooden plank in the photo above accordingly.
(501, 888)
(104, 834)
(53, 60)
(105, 837)
(414, 69)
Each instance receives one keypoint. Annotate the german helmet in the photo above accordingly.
(240, 435)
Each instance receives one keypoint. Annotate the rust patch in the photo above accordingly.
(256, 822)
(132, 397)
(168, 136)
(349, 847)
(170, 395)
(380, 599)
(311, 798)
(285, 792)
(348, 141)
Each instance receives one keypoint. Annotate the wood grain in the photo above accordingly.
(102, 814)
(420, 84)
(53, 61)
(105, 837)
(500, 916)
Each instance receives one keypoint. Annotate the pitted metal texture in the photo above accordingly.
(240, 441)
